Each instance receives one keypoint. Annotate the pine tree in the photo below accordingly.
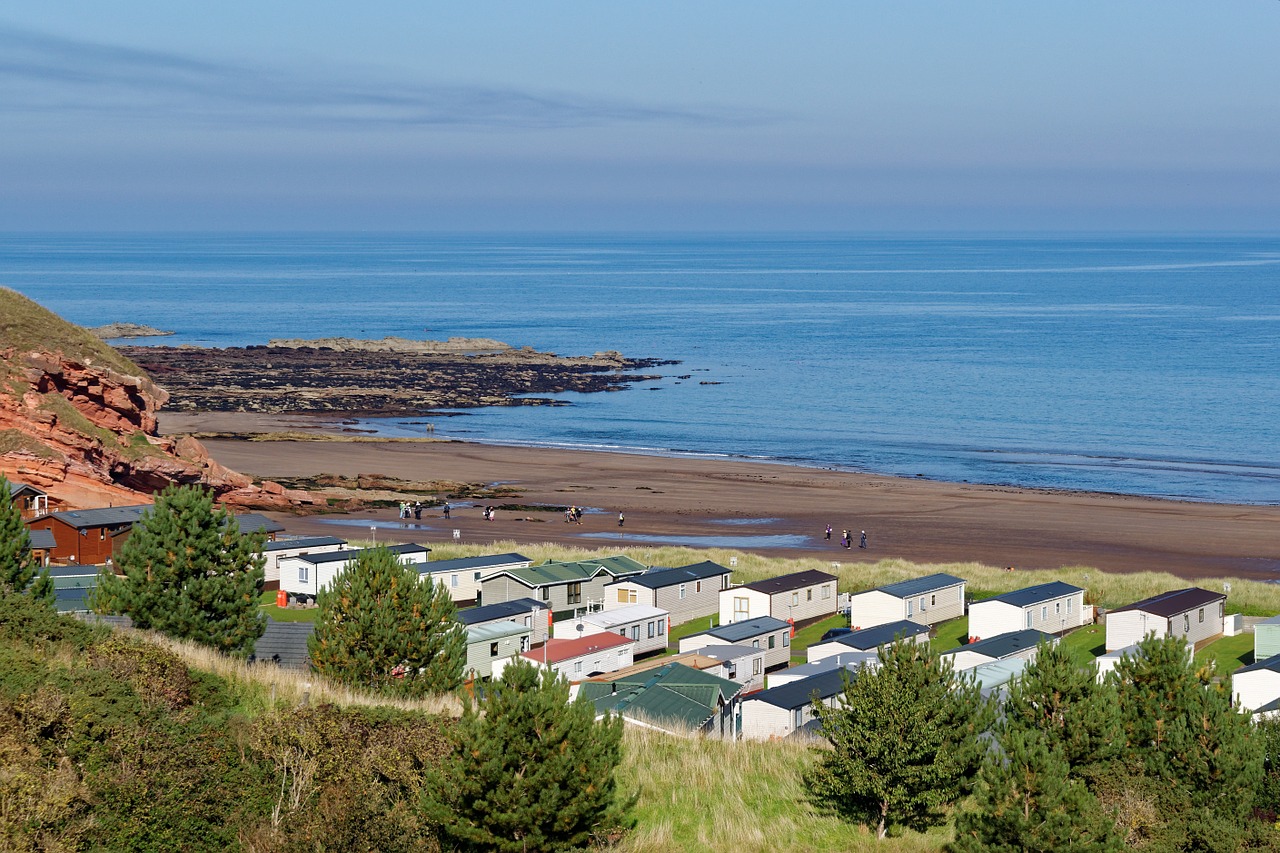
(1180, 726)
(188, 571)
(904, 741)
(1026, 800)
(19, 570)
(381, 626)
(1064, 700)
(529, 770)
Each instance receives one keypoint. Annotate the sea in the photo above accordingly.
(1132, 364)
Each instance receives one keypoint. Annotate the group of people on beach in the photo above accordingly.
(574, 514)
(411, 509)
(846, 538)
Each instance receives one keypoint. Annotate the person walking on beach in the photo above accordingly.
(621, 519)
(577, 514)
(446, 509)
(863, 542)
(417, 510)
(828, 532)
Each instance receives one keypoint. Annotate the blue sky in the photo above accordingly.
(707, 116)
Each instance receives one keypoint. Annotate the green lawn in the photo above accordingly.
(267, 604)
(1230, 653)
(1087, 643)
(688, 629)
(806, 637)
(950, 634)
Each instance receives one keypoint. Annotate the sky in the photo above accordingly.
(852, 116)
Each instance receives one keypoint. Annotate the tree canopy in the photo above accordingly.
(382, 626)
(19, 570)
(904, 740)
(186, 570)
(529, 770)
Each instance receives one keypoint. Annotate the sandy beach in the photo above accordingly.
(770, 509)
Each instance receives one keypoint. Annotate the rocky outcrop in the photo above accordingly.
(83, 429)
(114, 331)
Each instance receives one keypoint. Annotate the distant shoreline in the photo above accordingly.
(783, 507)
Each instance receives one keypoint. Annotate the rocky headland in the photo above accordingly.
(392, 376)
(78, 420)
(116, 331)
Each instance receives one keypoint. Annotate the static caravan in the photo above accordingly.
(294, 546)
(673, 698)
(462, 576)
(1015, 644)
(1193, 614)
(927, 600)
(686, 592)
(869, 639)
(564, 587)
(848, 660)
(781, 711)
(772, 635)
(1054, 608)
(492, 642)
(582, 657)
(1266, 638)
(532, 614)
(72, 585)
(1257, 686)
(307, 574)
(646, 625)
(797, 597)
(741, 664)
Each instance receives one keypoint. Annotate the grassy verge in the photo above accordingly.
(688, 629)
(950, 634)
(1229, 653)
(1086, 644)
(267, 604)
(811, 634)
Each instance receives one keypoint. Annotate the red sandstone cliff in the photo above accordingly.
(78, 420)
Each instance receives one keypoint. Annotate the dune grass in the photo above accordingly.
(1105, 589)
(701, 794)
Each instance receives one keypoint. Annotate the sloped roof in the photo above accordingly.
(847, 660)
(989, 676)
(343, 556)
(798, 694)
(302, 542)
(502, 610)
(72, 599)
(1174, 602)
(786, 583)
(553, 573)
(1034, 594)
(559, 651)
(1003, 645)
(661, 576)
(1272, 663)
(494, 631)
(74, 570)
(920, 586)
(463, 564)
(881, 635)
(107, 516)
(735, 632)
(285, 644)
(674, 694)
(41, 539)
(16, 488)
(726, 652)
(250, 522)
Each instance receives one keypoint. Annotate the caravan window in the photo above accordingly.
(304, 576)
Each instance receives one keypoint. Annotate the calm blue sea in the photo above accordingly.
(1144, 365)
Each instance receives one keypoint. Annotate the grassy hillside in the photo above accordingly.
(29, 327)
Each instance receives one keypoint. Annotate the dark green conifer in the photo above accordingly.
(382, 626)
(188, 571)
(19, 570)
(1059, 697)
(904, 741)
(1026, 800)
(529, 770)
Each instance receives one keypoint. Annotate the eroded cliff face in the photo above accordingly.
(86, 433)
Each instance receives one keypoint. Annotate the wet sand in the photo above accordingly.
(773, 509)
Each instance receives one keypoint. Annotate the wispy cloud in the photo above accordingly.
(41, 73)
